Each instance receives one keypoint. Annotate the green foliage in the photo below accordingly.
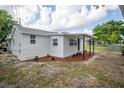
(114, 37)
(109, 32)
(6, 24)
(2, 46)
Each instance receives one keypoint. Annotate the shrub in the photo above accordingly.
(2, 46)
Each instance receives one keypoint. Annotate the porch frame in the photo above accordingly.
(91, 50)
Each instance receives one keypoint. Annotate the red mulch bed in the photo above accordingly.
(74, 58)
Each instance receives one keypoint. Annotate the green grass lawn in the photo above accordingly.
(96, 48)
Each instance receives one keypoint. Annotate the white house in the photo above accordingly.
(27, 43)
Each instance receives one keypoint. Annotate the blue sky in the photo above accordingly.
(112, 15)
(72, 18)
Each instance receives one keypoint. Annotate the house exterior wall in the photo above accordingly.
(9, 48)
(21, 47)
(81, 45)
(56, 51)
(69, 50)
(44, 45)
(15, 43)
(63, 49)
(40, 48)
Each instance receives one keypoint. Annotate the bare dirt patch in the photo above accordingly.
(103, 70)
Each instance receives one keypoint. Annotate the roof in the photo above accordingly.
(73, 34)
(26, 30)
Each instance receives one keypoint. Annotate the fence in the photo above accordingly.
(115, 48)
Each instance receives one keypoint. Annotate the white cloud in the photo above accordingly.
(112, 7)
(8, 8)
(27, 13)
(87, 31)
(45, 16)
(97, 14)
(44, 19)
(73, 16)
(75, 20)
(100, 13)
(62, 18)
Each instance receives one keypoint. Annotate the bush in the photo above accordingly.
(2, 46)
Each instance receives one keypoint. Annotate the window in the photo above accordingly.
(32, 39)
(73, 42)
(55, 42)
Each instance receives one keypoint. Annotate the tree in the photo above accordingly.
(114, 37)
(6, 24)
(109, 32)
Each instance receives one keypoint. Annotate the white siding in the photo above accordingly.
(56, 51)
(81, 45)
(15, 43)
(9, 45)
(40, 48)
(21, 47)
(64, 49)
(69, 50)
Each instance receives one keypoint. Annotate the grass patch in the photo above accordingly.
(117, 84)
(43, 81)
(100, 77)
(60, 74)
(96, 48)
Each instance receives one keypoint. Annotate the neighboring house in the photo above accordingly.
(27, 43)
